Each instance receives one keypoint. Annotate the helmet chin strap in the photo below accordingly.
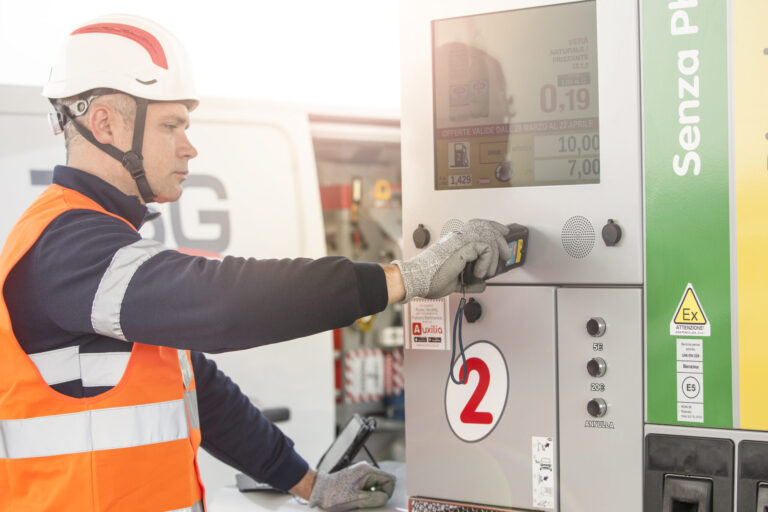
(132, 160)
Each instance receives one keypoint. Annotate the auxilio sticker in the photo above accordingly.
(426, 324)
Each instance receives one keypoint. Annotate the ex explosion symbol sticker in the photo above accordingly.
(689, 319)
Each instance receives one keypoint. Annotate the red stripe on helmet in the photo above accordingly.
(144, 38)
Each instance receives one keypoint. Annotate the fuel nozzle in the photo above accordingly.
(517, 238)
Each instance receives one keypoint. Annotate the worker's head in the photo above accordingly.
(122, 86)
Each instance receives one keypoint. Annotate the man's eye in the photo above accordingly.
(170, 126)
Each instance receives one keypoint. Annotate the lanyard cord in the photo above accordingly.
(458, 321)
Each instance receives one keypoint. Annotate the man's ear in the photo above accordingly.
(102, 121)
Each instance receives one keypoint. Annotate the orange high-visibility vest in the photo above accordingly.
(132, 448)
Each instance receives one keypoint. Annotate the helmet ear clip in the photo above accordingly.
(63, 113)
(80, 107)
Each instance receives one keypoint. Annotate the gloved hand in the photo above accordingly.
(435, 272)
(357, 486)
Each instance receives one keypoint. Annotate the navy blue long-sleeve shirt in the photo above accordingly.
(186, 302)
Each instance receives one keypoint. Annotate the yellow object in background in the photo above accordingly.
(383, 190)
(364, 324)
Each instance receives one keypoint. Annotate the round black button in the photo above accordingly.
(420, 236)
(472, 311)
(611, 233)
(596, 367)
(596, 327)
(597, 407)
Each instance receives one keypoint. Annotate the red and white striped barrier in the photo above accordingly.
(364, 375)
(371, 374)
(398, 377)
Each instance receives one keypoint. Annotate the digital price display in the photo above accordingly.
(515, 96)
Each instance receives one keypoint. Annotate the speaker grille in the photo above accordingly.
(451, 225)
(578, 237)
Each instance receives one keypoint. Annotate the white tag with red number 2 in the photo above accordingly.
(475, 407)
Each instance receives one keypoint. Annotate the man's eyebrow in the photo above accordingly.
(176, 119)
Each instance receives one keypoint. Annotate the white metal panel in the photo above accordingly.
(543, 209)
(497, 469)
(608, 448)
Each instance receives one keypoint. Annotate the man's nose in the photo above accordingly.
(187, 150)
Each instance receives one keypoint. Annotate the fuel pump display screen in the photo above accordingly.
(515, 97)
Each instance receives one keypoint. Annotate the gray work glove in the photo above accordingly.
(358, 486)
(435, 272)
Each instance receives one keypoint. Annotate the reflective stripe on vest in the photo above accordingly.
(97, 429)
(108, 301)
(190, 396)
(68, 364)
(186, 368)
(190, 400)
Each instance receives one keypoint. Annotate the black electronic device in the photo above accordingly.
(517, 238)
(347, 444)
(248, 484)
(339, 455)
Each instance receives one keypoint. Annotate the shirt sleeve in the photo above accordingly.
(238, 434)
(236, 303)
(102, 277)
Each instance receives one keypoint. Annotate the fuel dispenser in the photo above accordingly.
(619, 367)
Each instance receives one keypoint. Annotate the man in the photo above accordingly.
(105, 394)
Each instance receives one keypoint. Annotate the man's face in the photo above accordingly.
(167, 149)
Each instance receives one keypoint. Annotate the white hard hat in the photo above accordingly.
(126, 53)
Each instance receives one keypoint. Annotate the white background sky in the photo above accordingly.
(341, 53)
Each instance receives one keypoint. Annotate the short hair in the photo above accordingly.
(123, 104)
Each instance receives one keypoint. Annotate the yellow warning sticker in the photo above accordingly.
(689, 319)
